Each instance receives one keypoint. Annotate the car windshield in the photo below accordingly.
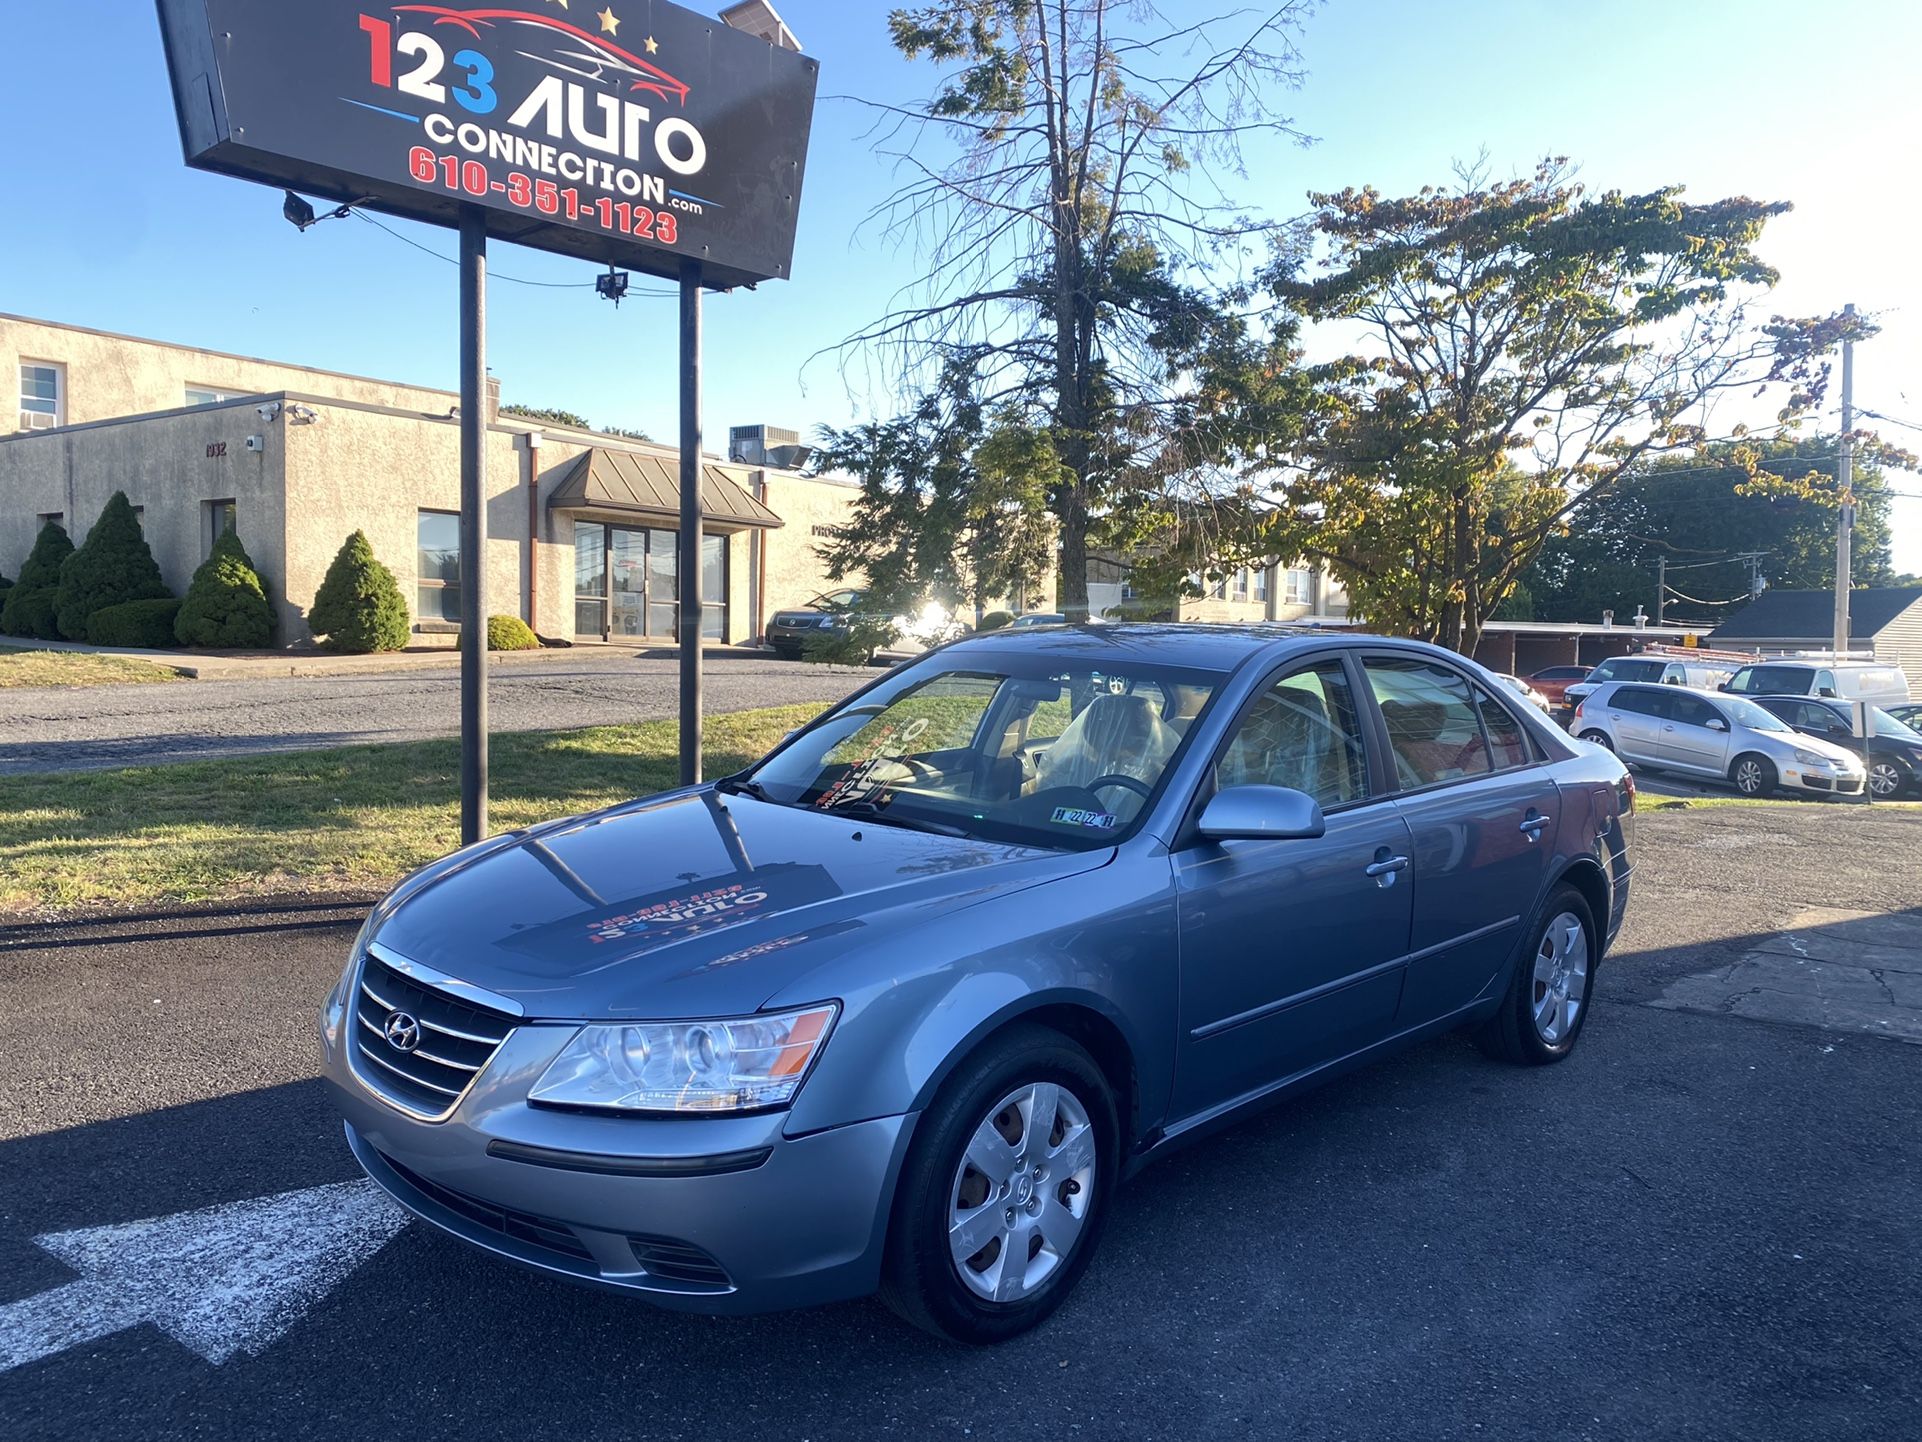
(1625, 669)
(1756, 718)
(1887, 725)
(1019, 748)
(1771, 680)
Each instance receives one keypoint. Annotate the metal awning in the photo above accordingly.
(649, 488)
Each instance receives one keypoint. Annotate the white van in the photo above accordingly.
(1841, 680)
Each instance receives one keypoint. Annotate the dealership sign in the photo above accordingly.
(629, 132)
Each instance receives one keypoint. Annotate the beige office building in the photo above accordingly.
(581, 526)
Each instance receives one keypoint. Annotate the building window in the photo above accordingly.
(217, 518)
(1241, 584)
(626, 583)
(43, 395)
(437, 596)
(1261, 584)
(208, 396)
(59, 518)
(1300, 588)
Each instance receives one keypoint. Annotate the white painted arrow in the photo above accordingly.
(221, 1280)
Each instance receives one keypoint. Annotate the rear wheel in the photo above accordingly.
(1599, 738)
(1542, 1017)
(1753, 775)
(1005, 1190)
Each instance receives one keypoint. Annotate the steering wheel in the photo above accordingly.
(1115, 778)
(921, 769)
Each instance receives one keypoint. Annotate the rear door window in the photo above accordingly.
(1434, 730)
(1637, 702)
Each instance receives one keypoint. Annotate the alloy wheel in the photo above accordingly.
(1561, 978)
(1748, 777)
(1884, 779)
(1021, 1195)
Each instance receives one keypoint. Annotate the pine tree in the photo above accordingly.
(28, 610)
(359, 606)
(226, 605)
(114, 565)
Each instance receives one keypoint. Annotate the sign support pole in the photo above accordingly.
(689, 560)
(473, 524)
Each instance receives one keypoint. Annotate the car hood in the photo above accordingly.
(1796, 741)
(690, 904)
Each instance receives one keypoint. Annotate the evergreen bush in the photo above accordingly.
(143, 625)
(510, 633)
(359, 607)
(226, 606)
(113, 566)
(28, 607)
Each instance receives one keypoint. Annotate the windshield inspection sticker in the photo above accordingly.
(1075, 816)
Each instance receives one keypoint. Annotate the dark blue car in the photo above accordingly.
(897, 1007)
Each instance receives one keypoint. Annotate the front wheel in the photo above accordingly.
(1542, 1016)
(1885, 780)
(1753, 775)
(1003, 1196)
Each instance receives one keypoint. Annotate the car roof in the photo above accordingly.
(1205, 645)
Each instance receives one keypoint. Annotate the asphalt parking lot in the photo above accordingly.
(1707, 1224)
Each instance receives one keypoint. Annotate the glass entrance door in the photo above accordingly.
(626, 583)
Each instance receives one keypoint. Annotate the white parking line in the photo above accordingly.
(221, 1280)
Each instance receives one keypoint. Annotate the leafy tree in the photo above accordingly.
(951, 510)
(113, 565)
(1064, 198)
(359, 606)
(553, 416)
(1777, 497)
(226, 605)
(1529, 345)
(29, 609)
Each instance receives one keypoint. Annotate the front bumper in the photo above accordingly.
(707, 1214)
(793, 637)
(1820, 781)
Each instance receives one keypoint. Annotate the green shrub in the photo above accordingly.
(226, 605)
(112, 566)
(28, 608)
(359, 607)
(995, 620)
(144, 625)
(510, 633)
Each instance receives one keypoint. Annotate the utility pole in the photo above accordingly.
(1845, 483)
(1661, 587)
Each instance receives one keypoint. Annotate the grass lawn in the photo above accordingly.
(352, 819)
(20, 667)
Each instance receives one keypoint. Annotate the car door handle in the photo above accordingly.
(1532, 825)
(1386, 866)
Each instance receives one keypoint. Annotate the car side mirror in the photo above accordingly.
(1262, 813)
(1717, 724)
(1828, 691)
(1723, 686)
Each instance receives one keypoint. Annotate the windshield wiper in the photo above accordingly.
(871, 811)
(738, 786)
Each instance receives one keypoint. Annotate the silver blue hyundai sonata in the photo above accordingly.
(899, 1006)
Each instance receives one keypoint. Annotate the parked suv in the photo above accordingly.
(1843, 680)
(1893, 754)
(1729, 738)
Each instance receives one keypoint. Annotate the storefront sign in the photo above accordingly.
(630, 132)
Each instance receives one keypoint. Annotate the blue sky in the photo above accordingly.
(102, 225)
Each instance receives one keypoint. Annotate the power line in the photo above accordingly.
(497, 275)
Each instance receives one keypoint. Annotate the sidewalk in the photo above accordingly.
(253, 665)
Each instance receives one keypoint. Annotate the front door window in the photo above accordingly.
(626, 583)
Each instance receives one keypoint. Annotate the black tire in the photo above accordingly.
(1894, 781)
(1512, 1034)
(920, 1279)
(1600, 738)
(1752, 775)
(788, 653)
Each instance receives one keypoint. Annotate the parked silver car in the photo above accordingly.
(898, 1006)
(1714, 735)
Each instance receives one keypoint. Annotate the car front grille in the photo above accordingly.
(451, 1040)
(679, 1265)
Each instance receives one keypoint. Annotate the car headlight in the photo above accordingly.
(687, 1066)
(1809, 758)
